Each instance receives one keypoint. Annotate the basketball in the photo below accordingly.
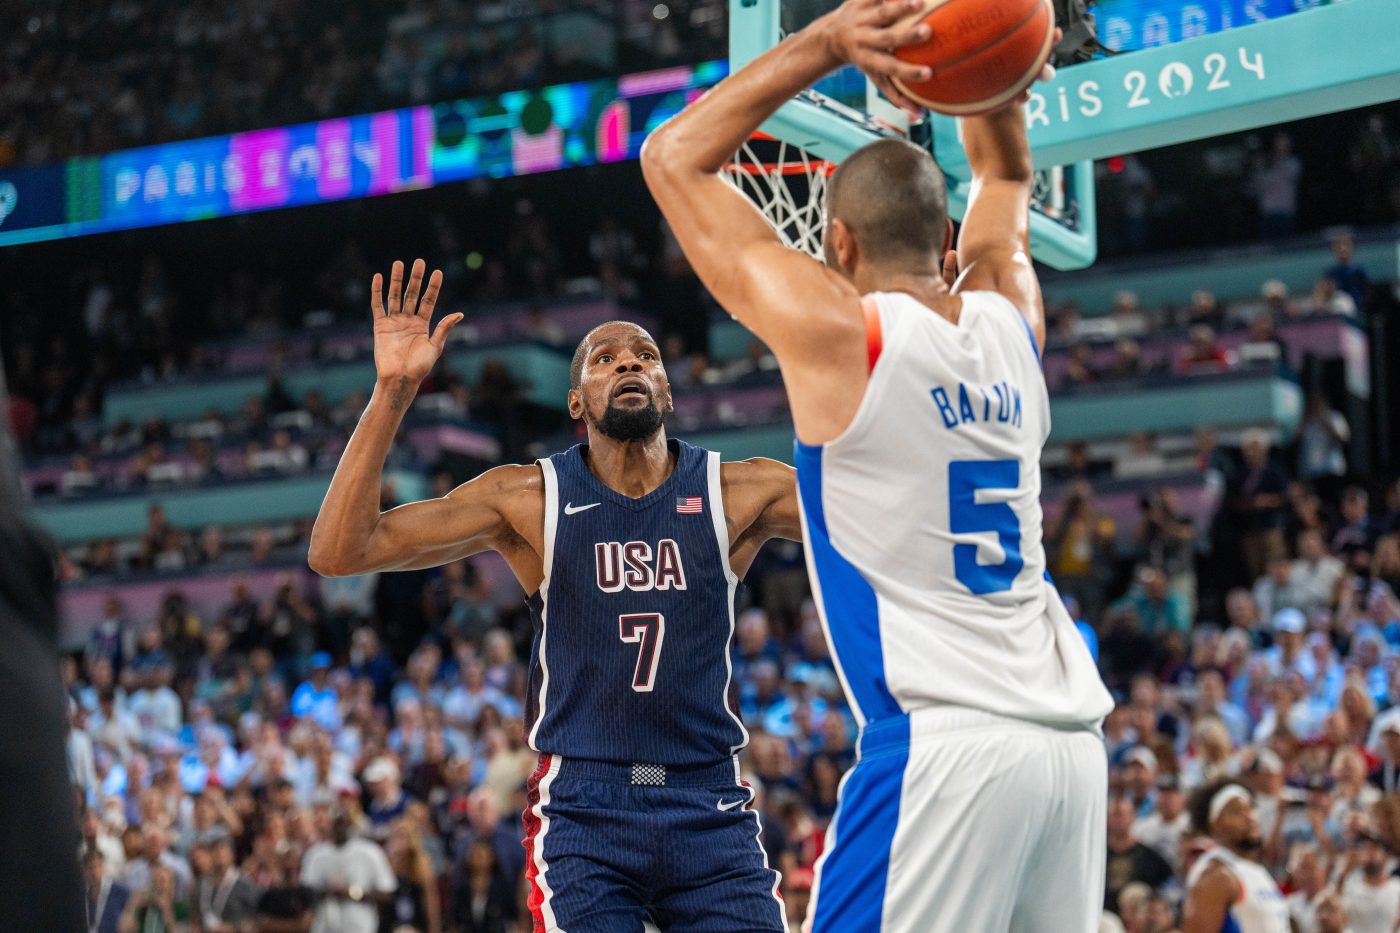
(983, 53)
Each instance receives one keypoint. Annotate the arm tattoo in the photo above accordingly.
(401, 395)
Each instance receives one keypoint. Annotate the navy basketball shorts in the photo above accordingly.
(610, 846)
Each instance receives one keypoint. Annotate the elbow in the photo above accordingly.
(323, 564)
(327, 562)
(658, 156)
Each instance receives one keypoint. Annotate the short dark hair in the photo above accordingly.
(581, 351)
(892, 196)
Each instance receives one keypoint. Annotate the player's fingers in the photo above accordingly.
(897, 97)
(395, 287)
(950, 267)
(885, 65)
(376, 295)
(883, 14)
(415, 285)
(430, 295)
(444, 327)
(889, 38)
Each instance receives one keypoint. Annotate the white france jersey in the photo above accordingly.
(923, 525)
(1260, 908)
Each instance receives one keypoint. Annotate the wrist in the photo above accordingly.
(399, 391)
(825, 34)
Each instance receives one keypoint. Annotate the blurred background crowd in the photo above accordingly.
(1222, 504)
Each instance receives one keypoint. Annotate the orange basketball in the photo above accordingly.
(983, 52)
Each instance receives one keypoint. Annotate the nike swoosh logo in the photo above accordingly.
(571, 509)
(728, 806)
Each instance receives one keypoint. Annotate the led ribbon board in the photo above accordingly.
(516, 133)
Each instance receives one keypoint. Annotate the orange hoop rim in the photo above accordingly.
(808, 167)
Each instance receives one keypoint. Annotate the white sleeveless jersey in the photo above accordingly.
(923, 526)
(1261, 907)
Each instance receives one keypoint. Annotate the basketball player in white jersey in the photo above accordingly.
(1227, 890)
(978, 800)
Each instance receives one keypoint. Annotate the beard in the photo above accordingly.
(1251, 844)
(622, 424)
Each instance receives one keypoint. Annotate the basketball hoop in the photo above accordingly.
(787, 185)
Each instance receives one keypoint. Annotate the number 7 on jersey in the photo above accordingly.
(649, 630)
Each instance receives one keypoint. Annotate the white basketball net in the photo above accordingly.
(788, 190)
(790, 186)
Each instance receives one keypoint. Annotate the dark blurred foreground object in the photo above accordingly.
(39, 880)
(1080, 41)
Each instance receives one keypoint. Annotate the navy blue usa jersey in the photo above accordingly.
(634, 618)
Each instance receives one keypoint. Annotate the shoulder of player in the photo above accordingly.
(1218, 880)
(511, 479)
(514, 491)
(756, 472)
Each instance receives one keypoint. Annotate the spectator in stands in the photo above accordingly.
(1167, 538)
(1202, 354)
(1162, 829)
(1080, 543)
(1356, 532)
(1079, 371)
(1128, 859)
(415, 903)
(1307, 875)
(1278, 590)
(1327, 299)
(1385, 776)
(113, 638)
(1127, 360)
(1213, 701)
(1128, 317)
(226, 900)
(1158, 609)
(105, 898)
(1322, 442)
(1385, 563)
(1350, 277)
(485, 901)
(1257, 495)
(352, 877)
(1275, 186)
(1370, 894)
(1205, 310)
(314, 698)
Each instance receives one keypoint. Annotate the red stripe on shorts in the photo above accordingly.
(532, 830)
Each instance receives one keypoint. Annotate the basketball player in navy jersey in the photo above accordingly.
(630, 547)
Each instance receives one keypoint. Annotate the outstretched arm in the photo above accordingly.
(351, 535)
(774, 291)
(994, 241)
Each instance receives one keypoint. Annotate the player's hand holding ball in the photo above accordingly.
(404, 346)
(957, 57)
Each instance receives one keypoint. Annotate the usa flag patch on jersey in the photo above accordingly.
(689, 505)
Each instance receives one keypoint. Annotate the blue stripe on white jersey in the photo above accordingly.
(840, 591)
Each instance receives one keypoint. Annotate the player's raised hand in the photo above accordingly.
(865, 33)
(404, 345)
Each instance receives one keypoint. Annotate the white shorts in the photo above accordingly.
(963, 821)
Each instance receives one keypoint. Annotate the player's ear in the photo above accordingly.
(843, 245)
(947, 234)
(576, 404)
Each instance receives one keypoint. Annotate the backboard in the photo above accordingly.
(844, 112)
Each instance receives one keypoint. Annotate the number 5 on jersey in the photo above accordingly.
(649, 630)
(968, 516)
